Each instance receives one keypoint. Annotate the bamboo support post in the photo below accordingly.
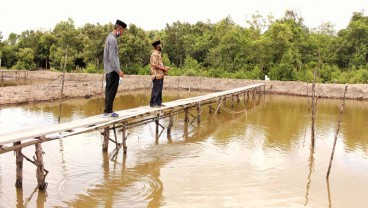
(219, 106)
(232, 101)
(125, 148)
(115, 137)
(106, 134)
(237, 98)
(210, 109)
(157, 124)
(337, 132)
(186, 115)
(171, 124)
(199, 113)
(40, 167)
(19, 164)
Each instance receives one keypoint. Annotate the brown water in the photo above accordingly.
(260, 158)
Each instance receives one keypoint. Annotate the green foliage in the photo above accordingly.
(284, 49)
(9, 58)
(25, 59)
(144, 70)
(68, 47)
(91, 68)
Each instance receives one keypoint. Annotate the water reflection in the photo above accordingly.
(311, 169)
(40, 201)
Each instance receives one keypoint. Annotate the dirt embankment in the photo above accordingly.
(88, 85)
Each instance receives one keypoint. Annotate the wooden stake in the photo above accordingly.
(313, 108)
(232, 101)
(40, 167)
(19, 164)
(62, 83)
(337, 132)
(125, 148)
(244, 98)
(186, 115)
(198, 113)
(171, 124)
(157, 124)
(210, 108)
(106, 134)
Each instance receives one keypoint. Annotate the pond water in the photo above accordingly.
(258, 158)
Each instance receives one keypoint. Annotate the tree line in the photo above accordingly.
(283, 49)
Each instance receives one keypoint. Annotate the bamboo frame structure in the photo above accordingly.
(130, 118)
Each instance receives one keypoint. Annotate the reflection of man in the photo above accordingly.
(158, 71)
(112, 67)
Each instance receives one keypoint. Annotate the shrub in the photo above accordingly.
(283, 72)
(91, 68)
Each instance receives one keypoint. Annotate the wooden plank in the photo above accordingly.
(96, 122)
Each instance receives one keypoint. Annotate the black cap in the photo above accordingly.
(121, 23)
(156, 43)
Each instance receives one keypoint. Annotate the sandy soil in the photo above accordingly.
(88, 85)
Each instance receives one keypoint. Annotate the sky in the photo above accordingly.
(17, 16)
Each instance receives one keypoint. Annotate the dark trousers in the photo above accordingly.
(112, 84)
(156, 94)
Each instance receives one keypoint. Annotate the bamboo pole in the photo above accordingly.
(19, 164)
(313, 108)
(198, 113)
(171, 124)
(232, 101)
(125, 148)
(40, 167)
(210, 108)
(115, 137)
(106, 134)
(186, 115)
(337, 132)
(62, 83)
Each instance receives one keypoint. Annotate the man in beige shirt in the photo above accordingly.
(158, 71)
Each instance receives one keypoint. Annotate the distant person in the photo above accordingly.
(158, 71)
(112, 67)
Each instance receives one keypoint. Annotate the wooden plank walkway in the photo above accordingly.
(57, 131)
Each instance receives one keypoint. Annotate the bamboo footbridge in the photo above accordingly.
(17, 73)
(127, 119)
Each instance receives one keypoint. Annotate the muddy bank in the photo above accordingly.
(88, 85)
